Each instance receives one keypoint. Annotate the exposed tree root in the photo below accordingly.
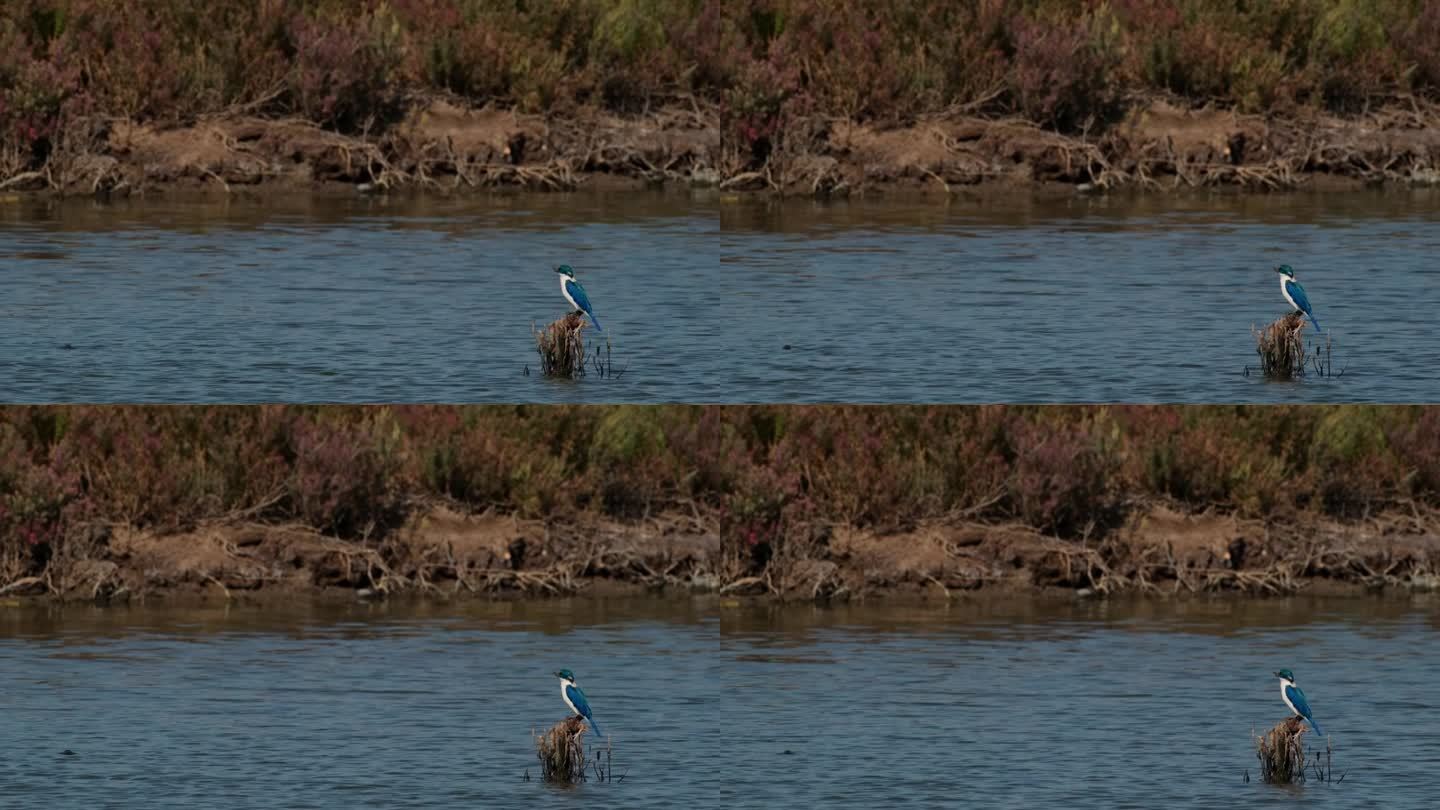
(447, 555)
(1158, 147)
(439, 147)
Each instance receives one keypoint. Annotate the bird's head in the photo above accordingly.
(1286, 675)
(565, 271)
(566, 675)
(1285, 271)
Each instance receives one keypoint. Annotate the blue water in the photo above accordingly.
(350, 300)
(714, 298)
(371, 706)
(1134, 705)
(715, 703)
(1130, 299)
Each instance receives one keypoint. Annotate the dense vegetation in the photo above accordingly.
(347, 64)
(761, 470)
(350, 64)
(1075, 65)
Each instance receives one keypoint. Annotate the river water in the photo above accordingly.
(998, 704)
(1098, 704)
(1081, 299)
(379, 706)
(713, 298)
(342, 299)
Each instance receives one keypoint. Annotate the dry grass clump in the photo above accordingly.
(1281, 349)
(562, 755)
(1282, 756)
(562, 351)
(1284, 355)
(561, 348)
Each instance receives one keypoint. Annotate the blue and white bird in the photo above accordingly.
(1295, 699)
(1295, 294)
(575, 699)
(575, 294)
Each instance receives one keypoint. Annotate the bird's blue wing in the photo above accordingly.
(578, 293)
(576, 696)
(1296, 292)
(1297, 698)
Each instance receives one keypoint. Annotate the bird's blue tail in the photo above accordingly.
(1315, 726)
(598, 732)
(1317, 323)
(598, 329)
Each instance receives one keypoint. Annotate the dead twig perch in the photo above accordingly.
(562, 349)
(1281, 349)
(1282, 756)
(562, 755)
(1283, 352)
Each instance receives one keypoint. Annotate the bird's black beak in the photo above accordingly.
(1276, 674)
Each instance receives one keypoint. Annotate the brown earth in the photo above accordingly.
(1158, 146)
(1160, 553)
(442, 553)
(439, 146)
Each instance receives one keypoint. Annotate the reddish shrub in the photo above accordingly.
(1060, 478)
(1416, 441)
(345, 477)
(1195, 456)
(344, 68)
(774, 475)
(754, 111)
(34, 493)
(1418, 39)
(1062, 72)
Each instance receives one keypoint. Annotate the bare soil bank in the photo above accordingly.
(441, 553)
(1159, 146)
(443, 147)
(439, 146)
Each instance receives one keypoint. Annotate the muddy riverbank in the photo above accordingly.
(795, 502)
(443, 146)
(444, 554)
(1157, 147)
(440, 146)
(796, 96)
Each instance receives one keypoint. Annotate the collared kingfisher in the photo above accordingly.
(1294, 293)
(1295, 699)
(575, 699)
(575, 294)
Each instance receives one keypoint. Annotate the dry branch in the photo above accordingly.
(1281, 348)
(562, 754)
(561, 347)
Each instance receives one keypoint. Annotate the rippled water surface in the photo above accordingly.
(339, 708)
(1133, 299)
(1106, 705)
(994, 704)
(710, 298)
(350, 299)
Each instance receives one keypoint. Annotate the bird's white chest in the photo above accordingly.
(565, 291)
(1284, 290)
(1284, 695)
(565, 696)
